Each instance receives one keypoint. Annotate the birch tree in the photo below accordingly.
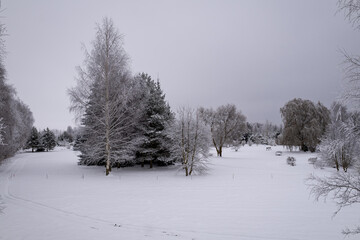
(105, 100)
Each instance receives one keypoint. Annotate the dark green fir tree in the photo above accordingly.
(157, 117)
(34, 139)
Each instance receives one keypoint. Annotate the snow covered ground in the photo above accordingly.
(250, 194)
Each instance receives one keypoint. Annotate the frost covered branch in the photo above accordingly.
(344, 188)
(351, 9)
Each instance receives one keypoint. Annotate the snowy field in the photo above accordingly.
(250, 194)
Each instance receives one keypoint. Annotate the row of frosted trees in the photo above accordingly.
(16, 118)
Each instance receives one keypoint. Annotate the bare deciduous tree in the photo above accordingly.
(192, 139)
(351, 10)
(225, 123)
(343, 187)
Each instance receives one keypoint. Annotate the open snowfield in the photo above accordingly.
(250, 194)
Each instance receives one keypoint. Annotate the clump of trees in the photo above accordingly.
(16, 119)
(41, 141)
(226, 123)
(259, 133)
(66, 137)
(304, 124)
(124, 118)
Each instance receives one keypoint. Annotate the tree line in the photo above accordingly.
(126, 119)
(16, 119)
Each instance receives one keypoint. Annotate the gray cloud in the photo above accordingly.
(255, 54)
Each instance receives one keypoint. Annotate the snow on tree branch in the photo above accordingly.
(2, 130)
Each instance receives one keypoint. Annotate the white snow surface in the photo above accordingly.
(250, 194)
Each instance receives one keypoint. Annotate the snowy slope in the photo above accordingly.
(250, 194)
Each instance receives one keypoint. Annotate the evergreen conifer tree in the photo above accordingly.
(48, 140)
(33, 141)
(157, 117)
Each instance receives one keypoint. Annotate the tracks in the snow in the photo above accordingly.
(10, 172)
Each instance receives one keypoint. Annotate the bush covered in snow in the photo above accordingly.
(291, 161)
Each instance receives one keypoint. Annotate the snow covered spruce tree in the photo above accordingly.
(34, 139)
(48, 139)
(155, 144)
(304, 123)
(192, 139)
(106, 99)
(226, 123)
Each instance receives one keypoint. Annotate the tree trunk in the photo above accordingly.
(151, 164)
(107, 107)
(142, 163)
(217, 150)
(336, 163)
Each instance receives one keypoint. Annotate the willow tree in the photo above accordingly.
(304, 123)
(104, 99)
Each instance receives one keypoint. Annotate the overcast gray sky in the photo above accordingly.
(255, 54)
